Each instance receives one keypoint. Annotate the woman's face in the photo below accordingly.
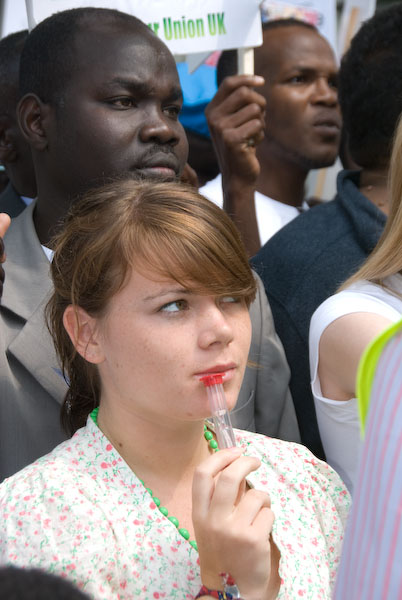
(158, 339)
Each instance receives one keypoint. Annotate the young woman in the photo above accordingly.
(345, 323)
(151, 292)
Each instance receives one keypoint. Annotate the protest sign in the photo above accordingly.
(186, 26)
(354, 12)
(320, 13)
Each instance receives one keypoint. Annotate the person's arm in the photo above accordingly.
(189, 176)
(341, 347)
(4, 224)
(236, 120)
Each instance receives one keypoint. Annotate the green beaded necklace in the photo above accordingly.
(208, 435)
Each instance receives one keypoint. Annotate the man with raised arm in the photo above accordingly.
(264, 164)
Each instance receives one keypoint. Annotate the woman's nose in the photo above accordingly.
(215, 328)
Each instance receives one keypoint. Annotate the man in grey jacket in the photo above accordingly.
(101, 98)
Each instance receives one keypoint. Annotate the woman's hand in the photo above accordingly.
(232, 525)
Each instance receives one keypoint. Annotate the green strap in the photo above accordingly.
(367, 369)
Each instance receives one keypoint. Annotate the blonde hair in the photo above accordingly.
(167, 228)
(386, 258)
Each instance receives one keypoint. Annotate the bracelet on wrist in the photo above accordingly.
(230, 591)
(204, 591)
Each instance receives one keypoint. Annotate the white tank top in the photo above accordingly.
(338, 421)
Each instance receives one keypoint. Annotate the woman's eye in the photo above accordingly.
(175, 306)
(230, 299)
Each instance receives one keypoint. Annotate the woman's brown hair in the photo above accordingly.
(166, 228)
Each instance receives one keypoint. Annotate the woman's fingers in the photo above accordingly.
(249, 507)
(264, 521)
(228, 483)
(204, 479)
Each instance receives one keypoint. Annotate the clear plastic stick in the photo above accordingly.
(220, 414)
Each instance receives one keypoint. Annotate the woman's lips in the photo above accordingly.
(227, 372)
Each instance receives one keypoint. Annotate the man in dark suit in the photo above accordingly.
(15, 152)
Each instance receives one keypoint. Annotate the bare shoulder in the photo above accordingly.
(341, 346)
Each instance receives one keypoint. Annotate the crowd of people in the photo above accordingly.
(123, 286)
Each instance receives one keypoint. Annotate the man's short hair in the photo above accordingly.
(227, 63)
(10, 52)
(289, 22)
(370, 87)
(48, 58)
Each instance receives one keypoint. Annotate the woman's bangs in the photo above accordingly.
(195, 266)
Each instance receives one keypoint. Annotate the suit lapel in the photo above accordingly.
(33, 348)
(27, 288)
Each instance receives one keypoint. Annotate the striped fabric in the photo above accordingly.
(371, 564)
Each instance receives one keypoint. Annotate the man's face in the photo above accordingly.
(119, 113)
(303, 114)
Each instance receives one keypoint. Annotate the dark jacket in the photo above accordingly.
(302, 265)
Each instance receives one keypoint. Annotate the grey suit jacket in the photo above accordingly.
(10, 202)
(31, 385)
(265, 404)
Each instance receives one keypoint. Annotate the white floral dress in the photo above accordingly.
(82, 513)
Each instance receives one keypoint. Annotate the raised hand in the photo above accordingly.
(4, 224)
(236, 120)
(189, 176)
(233, 525)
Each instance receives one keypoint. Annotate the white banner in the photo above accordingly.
(320, 13)
(354, 12)
(13, 16)
(186, 26)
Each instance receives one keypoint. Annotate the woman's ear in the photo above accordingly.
(83, 332)
(31, 114)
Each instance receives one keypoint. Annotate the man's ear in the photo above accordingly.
(83, 332)
(31, 115)
(8, 150)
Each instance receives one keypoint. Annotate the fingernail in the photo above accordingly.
(259, 79)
